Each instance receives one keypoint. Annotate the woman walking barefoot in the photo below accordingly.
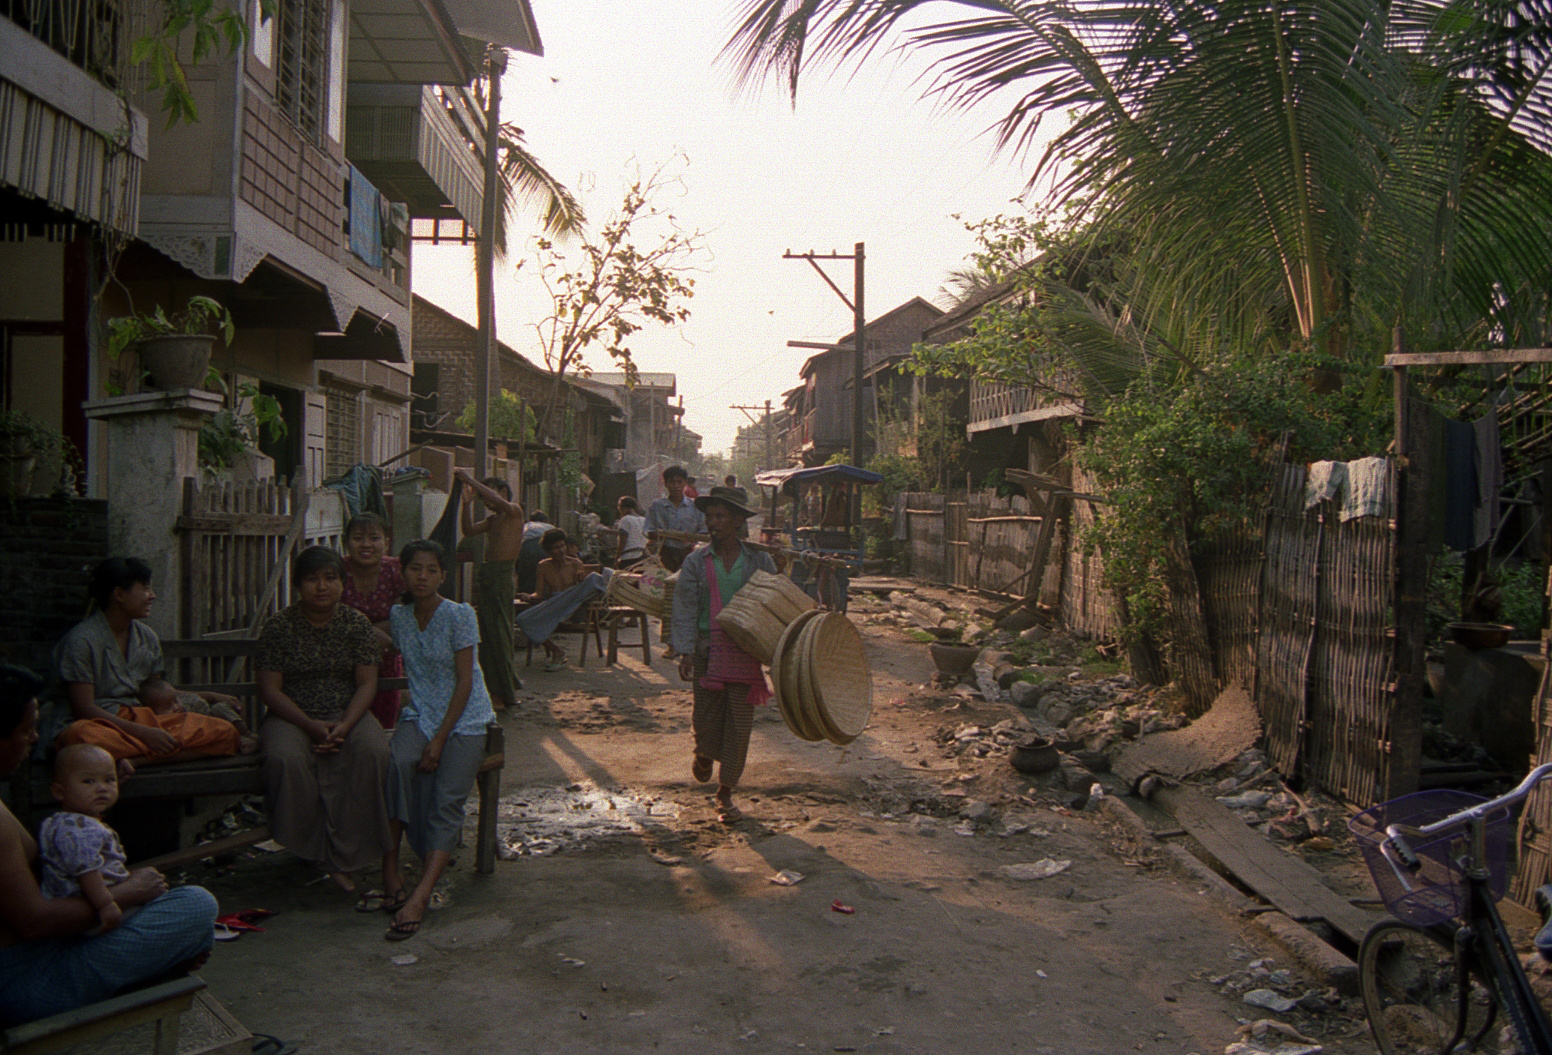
(439, 743)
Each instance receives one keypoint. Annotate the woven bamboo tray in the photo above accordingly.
(784, 676)
(807, 699)
(842, 682)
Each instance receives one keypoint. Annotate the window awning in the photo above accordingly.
(407, 42)
(508, 23)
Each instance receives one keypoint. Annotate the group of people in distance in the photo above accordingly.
(349, 774)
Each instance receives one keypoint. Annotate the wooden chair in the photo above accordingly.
(163, 1004)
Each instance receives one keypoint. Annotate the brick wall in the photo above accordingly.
(48, 547)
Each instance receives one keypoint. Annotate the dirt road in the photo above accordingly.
(631, 921)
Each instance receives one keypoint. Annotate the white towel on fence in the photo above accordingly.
(1368, 488)
(1325, 480)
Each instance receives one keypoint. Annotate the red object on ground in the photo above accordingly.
(845, 910)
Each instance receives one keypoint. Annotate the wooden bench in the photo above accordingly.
(162, 1003)
(214, 666)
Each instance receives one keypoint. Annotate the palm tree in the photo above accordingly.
(1285, 172)
(524, 179)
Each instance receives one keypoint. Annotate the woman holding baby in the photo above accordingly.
(113, 656)
(50, 959)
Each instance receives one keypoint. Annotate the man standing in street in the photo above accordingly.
(674, 512)
(494, 580)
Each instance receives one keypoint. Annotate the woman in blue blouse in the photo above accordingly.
(439, 743)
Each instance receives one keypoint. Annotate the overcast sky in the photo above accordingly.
(628, 83)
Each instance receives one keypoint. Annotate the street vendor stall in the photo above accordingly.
(821, 520)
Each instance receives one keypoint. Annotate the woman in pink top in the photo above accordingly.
(373, 585)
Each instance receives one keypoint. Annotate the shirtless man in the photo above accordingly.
(493, 580)
(564, 585)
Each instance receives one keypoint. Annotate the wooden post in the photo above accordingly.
(1403, 760)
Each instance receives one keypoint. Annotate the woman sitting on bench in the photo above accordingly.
(107, 657)
(325, 756)
(47, 964)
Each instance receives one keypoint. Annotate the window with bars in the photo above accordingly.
(302, 74)
(342, 431)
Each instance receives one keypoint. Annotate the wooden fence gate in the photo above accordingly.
(235, 546)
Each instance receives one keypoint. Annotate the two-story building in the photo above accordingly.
(821, 409)
(289, 201)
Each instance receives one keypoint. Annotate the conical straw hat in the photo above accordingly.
(784, 676)
(843, 684)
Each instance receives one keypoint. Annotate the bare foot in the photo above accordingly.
(126, 769)
(344, 880)
(249, 745)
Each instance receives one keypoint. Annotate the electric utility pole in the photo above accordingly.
(770, 454)
(485, 264)
(859, 324)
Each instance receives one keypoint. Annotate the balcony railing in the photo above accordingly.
(992, 406)
(90, 33)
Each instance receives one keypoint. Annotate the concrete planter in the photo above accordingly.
(176, 361)
(953, 659)
(16, 474)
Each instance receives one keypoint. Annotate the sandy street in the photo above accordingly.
(630, 920)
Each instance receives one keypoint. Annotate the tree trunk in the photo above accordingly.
(1191, 648)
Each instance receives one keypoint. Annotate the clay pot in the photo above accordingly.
(1034, 756)
(953, 659)
(177, 361)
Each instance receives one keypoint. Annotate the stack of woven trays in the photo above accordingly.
(756, 615)
(820, 675)
(646, 587)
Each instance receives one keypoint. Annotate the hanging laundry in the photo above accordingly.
(1368, 489)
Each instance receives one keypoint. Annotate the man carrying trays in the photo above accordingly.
(728, 681)
(674, 512)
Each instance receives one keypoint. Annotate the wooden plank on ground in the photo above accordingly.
(179, 858)
(1276, 875)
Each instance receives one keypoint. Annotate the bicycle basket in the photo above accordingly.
(1435, 892)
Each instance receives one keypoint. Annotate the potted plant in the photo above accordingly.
(950, 654)
(174, 349)
(232, 434)
(24, 443)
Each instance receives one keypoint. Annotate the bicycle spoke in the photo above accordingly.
(1413, 995)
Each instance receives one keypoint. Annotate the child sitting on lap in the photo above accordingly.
(157, 694)
(81, 855)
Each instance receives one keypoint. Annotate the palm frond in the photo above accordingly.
(525, 179)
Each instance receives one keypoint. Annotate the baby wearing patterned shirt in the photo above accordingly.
(81, 856)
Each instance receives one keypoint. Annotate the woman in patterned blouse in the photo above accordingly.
(372, 586)
(324, 756)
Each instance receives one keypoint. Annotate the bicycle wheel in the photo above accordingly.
(1410, 982)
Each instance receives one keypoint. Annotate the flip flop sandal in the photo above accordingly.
(730, 815)
(225, 933)
(394, 904)
(403, 931)
(700, 769)
(555, 665)
(372, 901)
(266, 1044)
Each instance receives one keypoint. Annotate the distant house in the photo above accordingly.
(1008, 426)
(444, 384)
(655, 431)
(821, 412)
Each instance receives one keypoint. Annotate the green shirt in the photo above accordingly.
(729, 582)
